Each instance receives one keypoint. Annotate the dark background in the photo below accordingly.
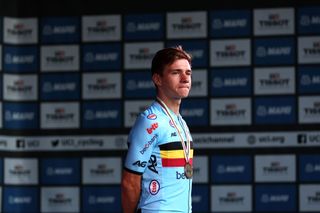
(24, 8)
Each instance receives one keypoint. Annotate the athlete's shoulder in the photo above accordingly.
(151, 113)
(149, 119)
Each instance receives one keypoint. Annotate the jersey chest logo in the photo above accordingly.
(153, 164)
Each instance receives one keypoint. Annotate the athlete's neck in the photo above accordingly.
(172, 104)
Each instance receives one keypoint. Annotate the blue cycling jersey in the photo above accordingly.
(155, 151)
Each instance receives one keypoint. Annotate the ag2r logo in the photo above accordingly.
(140, 164)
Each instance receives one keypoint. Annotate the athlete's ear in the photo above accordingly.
(156, 79)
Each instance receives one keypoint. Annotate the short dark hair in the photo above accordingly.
(166, 57)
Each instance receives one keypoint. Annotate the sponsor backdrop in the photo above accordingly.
(72, 86)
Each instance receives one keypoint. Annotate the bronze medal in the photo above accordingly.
(188, 170)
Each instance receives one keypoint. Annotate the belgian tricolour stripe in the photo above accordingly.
(172, 154)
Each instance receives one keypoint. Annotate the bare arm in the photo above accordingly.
(130, 191)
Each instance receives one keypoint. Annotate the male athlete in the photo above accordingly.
(157, 174)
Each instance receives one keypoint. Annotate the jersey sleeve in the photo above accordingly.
(142, 139)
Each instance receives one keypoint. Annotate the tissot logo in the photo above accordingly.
(21, 171)
(20, 87)
(20, 30)
(230, 111)
(101, 85)
(309, 197)
(273, 21)
(101, 28)
(139, 55)
(274, 81)
(102, 170)
(314, 49)
(274, 168)
(231, 198)
(230, 52)
(59, 199)
(309, 109)
(59, 115)
(309, 49)
(143, 54)
(186, 25)
(60, 58)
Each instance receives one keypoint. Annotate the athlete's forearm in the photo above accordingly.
(130, 200)
(130, 192)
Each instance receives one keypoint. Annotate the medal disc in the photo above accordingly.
(188, 170)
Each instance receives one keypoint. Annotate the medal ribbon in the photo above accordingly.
(186, 148)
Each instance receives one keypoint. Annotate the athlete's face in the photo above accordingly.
(175, 82)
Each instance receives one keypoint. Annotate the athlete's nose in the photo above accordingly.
(185, 78)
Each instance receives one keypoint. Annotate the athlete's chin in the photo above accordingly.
(184, 95)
